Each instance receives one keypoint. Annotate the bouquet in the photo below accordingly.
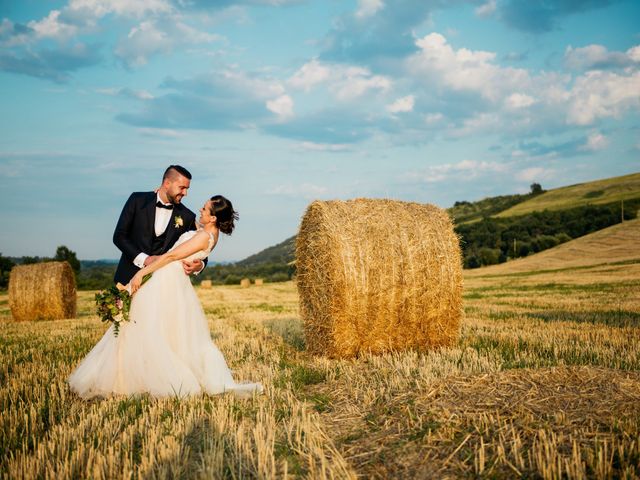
(114, 303)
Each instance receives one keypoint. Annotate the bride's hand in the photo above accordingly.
(135, 282)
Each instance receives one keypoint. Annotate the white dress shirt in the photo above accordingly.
(163, 216)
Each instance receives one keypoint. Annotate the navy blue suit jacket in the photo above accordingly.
(135, 231)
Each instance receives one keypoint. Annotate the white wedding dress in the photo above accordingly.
(165, 349)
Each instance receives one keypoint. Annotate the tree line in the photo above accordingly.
(62, 254)
(496, 240)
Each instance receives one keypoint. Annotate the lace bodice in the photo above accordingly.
(200, 254)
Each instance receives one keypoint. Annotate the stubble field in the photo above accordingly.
(544, 383)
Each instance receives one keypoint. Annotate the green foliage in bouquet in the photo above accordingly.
(113, 304)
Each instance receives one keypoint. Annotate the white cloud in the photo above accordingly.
(598, 57)
(404, 104)
(345, 82)
(596, 141)
(481, 122)
(599, 94)
(309, 75)
(324, 147)
(12, 34)
(357, 81)
(368, 8)
(137, 8)
(305, 190)
(463, 170)
(152, 37)
(432, 118)
(463, 69)
(80, 16)
(160, 132)
(125, 92)
(534, 174)
(263, 88)
(281, 106)
(52, 27)
(519, 100)
(486, 9)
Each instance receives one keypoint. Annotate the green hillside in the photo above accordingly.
(283, 252)
(465, 212)
(599, 192)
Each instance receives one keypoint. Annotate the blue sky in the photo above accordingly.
(275, 103)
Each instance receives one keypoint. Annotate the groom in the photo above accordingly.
(151, 222)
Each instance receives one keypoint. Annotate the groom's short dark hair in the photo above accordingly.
(176, 168)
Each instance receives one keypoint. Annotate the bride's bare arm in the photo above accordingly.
(200, 241)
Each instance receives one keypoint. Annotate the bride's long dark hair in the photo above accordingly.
(226, 216)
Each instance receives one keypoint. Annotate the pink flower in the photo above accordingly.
(119, 303)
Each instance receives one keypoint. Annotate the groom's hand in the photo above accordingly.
(192, 267)
(150, 259)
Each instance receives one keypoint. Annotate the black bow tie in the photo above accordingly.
(162, 205)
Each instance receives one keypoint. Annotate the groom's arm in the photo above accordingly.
(121, 235)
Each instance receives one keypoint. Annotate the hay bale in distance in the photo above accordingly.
(258, 282)
(205, 284)
(42, 291)
(378, 276)
(245, 283)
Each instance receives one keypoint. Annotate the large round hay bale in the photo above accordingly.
(205, 284)
(245, 283)
(258, 282)
(378, 276)
(42, 291)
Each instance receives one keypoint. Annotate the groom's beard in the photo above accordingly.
(173, 200)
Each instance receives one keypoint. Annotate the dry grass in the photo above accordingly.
(378, 276)
(544, 383)
(42, 291)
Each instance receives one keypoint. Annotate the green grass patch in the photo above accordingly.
(612, 318)
(266, 307)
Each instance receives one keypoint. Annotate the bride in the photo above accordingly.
(166, 348)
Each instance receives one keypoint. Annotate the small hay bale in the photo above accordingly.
(378, 276)
(245, 283)
(258, 282)
(205, 284)
(42, 291)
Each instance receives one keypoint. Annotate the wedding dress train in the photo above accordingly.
(165, 349)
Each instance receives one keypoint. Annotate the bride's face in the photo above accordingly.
(205, 214)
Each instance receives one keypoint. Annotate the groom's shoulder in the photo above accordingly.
(143, 194)
(137, 196)
(186, 210)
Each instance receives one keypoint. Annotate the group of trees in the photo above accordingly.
(496, 240)
(62, 254)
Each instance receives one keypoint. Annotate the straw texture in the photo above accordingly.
(205, 284)
(258, 282)
(377, 276)
(42, 291)
(245, 283)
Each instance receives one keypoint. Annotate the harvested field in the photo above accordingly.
(544, 383)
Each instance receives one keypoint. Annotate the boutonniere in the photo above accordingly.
(178, 220)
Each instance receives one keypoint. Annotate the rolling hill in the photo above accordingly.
(283, 252)
(616, 244)
(598, 192)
